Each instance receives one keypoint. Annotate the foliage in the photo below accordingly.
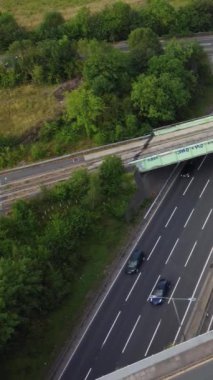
(105, 69)
(143, 44)
(50, 26)
(173, 78)
(83, 108)
(40, 240)
(158, 15)
(113, 23)
(159, 98)
(111, 172)
(10, 31)
(48, 61)
(195, 17)
(80, 26)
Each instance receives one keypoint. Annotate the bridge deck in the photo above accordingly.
(160, 143)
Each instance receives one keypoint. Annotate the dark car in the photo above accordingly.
(161, 290)
(187, 170)
(135, 261)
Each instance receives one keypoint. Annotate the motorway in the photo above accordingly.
(178, 243)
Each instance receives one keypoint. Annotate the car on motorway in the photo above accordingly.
(135, 261)
(161, 290)
(187, 170)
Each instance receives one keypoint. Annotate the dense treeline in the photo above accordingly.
(40, 255)
(49, 54)
(49, 61)
(114, 23)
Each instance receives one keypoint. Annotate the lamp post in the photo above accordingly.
(191, 299)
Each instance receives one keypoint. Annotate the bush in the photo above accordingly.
(10, 31)
(51, 26)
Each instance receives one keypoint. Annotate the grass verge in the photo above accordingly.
(31, 358)
(24, 107)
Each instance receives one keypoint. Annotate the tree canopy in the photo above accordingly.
(159, 98)
(83, 107)
(105, 69)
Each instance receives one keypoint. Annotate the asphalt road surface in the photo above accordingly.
(202, 371)
(179, 246)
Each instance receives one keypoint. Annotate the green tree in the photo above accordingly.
(8, 77)
(93, 196)
(158, 15)
(159, 99)
(57, 59)
(20, 289)
(197, 16)
(105, 69)
(111, 173)
(10, 31)
(74, 189)
(143, 44)
(83, 107)
(50, 26)
(186, 61)
(113, 23)
(79, 26)
(22, 56)
(37, 74)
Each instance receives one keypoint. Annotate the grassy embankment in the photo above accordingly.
(26, 106)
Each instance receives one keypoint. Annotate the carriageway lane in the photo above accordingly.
(95, 337)
(189, 279)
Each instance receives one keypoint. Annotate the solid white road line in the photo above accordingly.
(174, 289)
(188, 186)
(193, 295)
(204, 188)
(153, 288)
(201, 162)
(161, 191)
(133, 287)
(192, 250)
(171, 216)
(111, 329)
(210, 323)
(172, 250)
(154, 248)
(208, 216)
(189, 218)
(152, 338)
(88, 374)
(135, 325)
(115, 279)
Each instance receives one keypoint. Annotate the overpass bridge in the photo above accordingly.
(175, 143)
(165, 146)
